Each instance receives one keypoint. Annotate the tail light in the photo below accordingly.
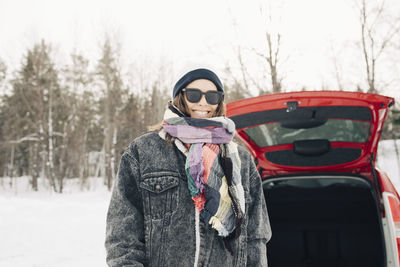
(392, 208)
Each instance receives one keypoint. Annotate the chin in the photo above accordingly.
(198, 116)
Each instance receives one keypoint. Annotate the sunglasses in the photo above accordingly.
(195, 95)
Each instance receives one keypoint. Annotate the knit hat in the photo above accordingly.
(196, 75)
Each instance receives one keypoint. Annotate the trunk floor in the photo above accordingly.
(327, 226)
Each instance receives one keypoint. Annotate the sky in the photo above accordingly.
(206, 32)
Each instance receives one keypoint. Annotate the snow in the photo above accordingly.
(388, 161)
(49, 229)
(46, 229)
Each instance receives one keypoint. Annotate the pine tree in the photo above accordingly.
(111, 86)
(29, 126)
(3, 147)
(77, 128)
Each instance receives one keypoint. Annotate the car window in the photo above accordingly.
(334, 130)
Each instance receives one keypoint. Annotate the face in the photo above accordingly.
(201, 109)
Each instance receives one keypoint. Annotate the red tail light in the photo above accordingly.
(393, 220)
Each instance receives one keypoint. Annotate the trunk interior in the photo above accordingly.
(323, 221)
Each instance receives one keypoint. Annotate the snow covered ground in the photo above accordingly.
(45, 229)
(387, 160)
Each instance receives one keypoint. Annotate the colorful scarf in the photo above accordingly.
(212, 168)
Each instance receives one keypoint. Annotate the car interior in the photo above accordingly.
(324, 221)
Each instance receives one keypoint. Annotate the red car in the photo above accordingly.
(328, 203)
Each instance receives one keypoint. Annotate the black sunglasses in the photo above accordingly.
(195, 95)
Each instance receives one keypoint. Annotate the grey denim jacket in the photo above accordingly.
(151, 217)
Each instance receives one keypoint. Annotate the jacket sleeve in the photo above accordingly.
(124, 240)
(258, 228)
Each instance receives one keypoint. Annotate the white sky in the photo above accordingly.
(194, 31)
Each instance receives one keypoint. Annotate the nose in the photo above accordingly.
(203, 100)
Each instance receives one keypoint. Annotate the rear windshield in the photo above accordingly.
(334, 130)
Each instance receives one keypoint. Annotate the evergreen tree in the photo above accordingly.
(3, 147)
(111, 85)
(131, 123)
(77, 128)
(32, 120)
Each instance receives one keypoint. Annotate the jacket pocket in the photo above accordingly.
(160, 193)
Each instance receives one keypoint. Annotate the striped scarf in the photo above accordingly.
(212, 168)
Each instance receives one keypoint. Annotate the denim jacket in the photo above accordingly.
(151, 217)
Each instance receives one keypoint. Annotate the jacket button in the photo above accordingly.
(158, 187)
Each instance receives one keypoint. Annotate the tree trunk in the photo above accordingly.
(84, 166)
(11, 165)
(33, 165)
(107, 156)
(50, 163)
(113, 154)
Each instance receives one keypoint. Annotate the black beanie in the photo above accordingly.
(196, 75)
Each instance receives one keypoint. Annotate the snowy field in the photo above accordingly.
(44, 229)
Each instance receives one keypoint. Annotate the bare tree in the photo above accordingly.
(234, 88)
(270, 55)
(378, 28)
(337, 70)
(273, 44)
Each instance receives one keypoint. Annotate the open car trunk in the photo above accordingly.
(324, 220)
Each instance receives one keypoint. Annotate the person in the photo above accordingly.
(186, 194)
